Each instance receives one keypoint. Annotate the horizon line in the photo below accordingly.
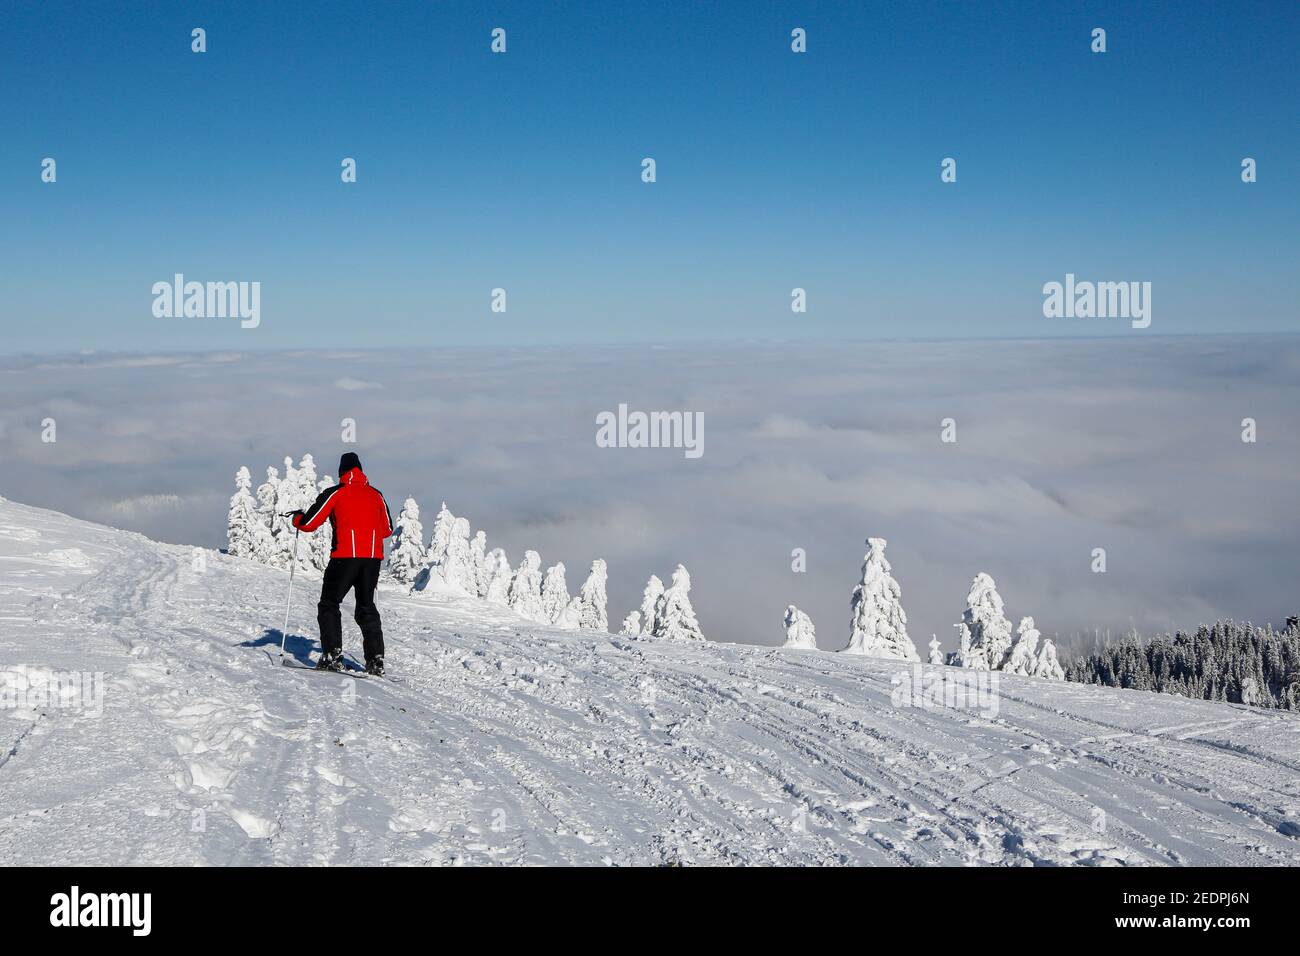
(650, 344)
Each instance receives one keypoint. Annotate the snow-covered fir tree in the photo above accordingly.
(936, 655)
(799, 630)
(592, 603)
(1023, 656)
(650, 599)
(1046, 665)
(478, 563)
(572, 613)
(498, 577)
(296, 491)
(879, 626)
(962, 654)
(322, 541)
(990, 631)
(555, 593)
(526, 587)
(406, 554)
(308, 488)
(631, 625)
(242, 522)
(288, 497)
(1030, 657)
(289, 483)
(457, 566)
(267, 494)
(675, 617)
(444, 524)
(290, 486)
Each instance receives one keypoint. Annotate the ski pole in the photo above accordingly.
(293, 566)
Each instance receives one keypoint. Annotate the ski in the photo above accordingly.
(344, 672)
(357, 664)
(347, 672)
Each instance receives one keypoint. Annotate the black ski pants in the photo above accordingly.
(359, 575)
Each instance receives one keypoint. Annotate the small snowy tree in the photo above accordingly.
(959, 657)
(457, 565)
(443, 527)
(288, 497)
(498, 578)
(571, 616)
(242, 524)
(478, 563)
(631, 625)
(1023, 657)
(1047, 666)
(990, 631)
(675, 617)
(799, 631)
(650, 598)
(526, 587)
(555, 593)
(592, 602)
(290, 491)
(1250, 693)
(307, 487)
(879, 626)
(936, 655)
(289, 484)
(322, 542)
(268, 493)
(406, 555)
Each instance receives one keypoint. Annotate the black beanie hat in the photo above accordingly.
(348, 462)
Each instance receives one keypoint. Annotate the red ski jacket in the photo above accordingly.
(357, 513)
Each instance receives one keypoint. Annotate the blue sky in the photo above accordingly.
(522, 171)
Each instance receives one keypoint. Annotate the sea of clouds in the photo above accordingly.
(1129, 444)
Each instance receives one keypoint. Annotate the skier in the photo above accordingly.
(359, 521)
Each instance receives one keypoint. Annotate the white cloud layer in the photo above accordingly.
(1131, 444)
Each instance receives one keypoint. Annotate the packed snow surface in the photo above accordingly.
(514, 742)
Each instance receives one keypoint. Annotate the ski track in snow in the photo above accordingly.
(514, 743)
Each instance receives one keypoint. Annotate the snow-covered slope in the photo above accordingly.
(514, 743)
